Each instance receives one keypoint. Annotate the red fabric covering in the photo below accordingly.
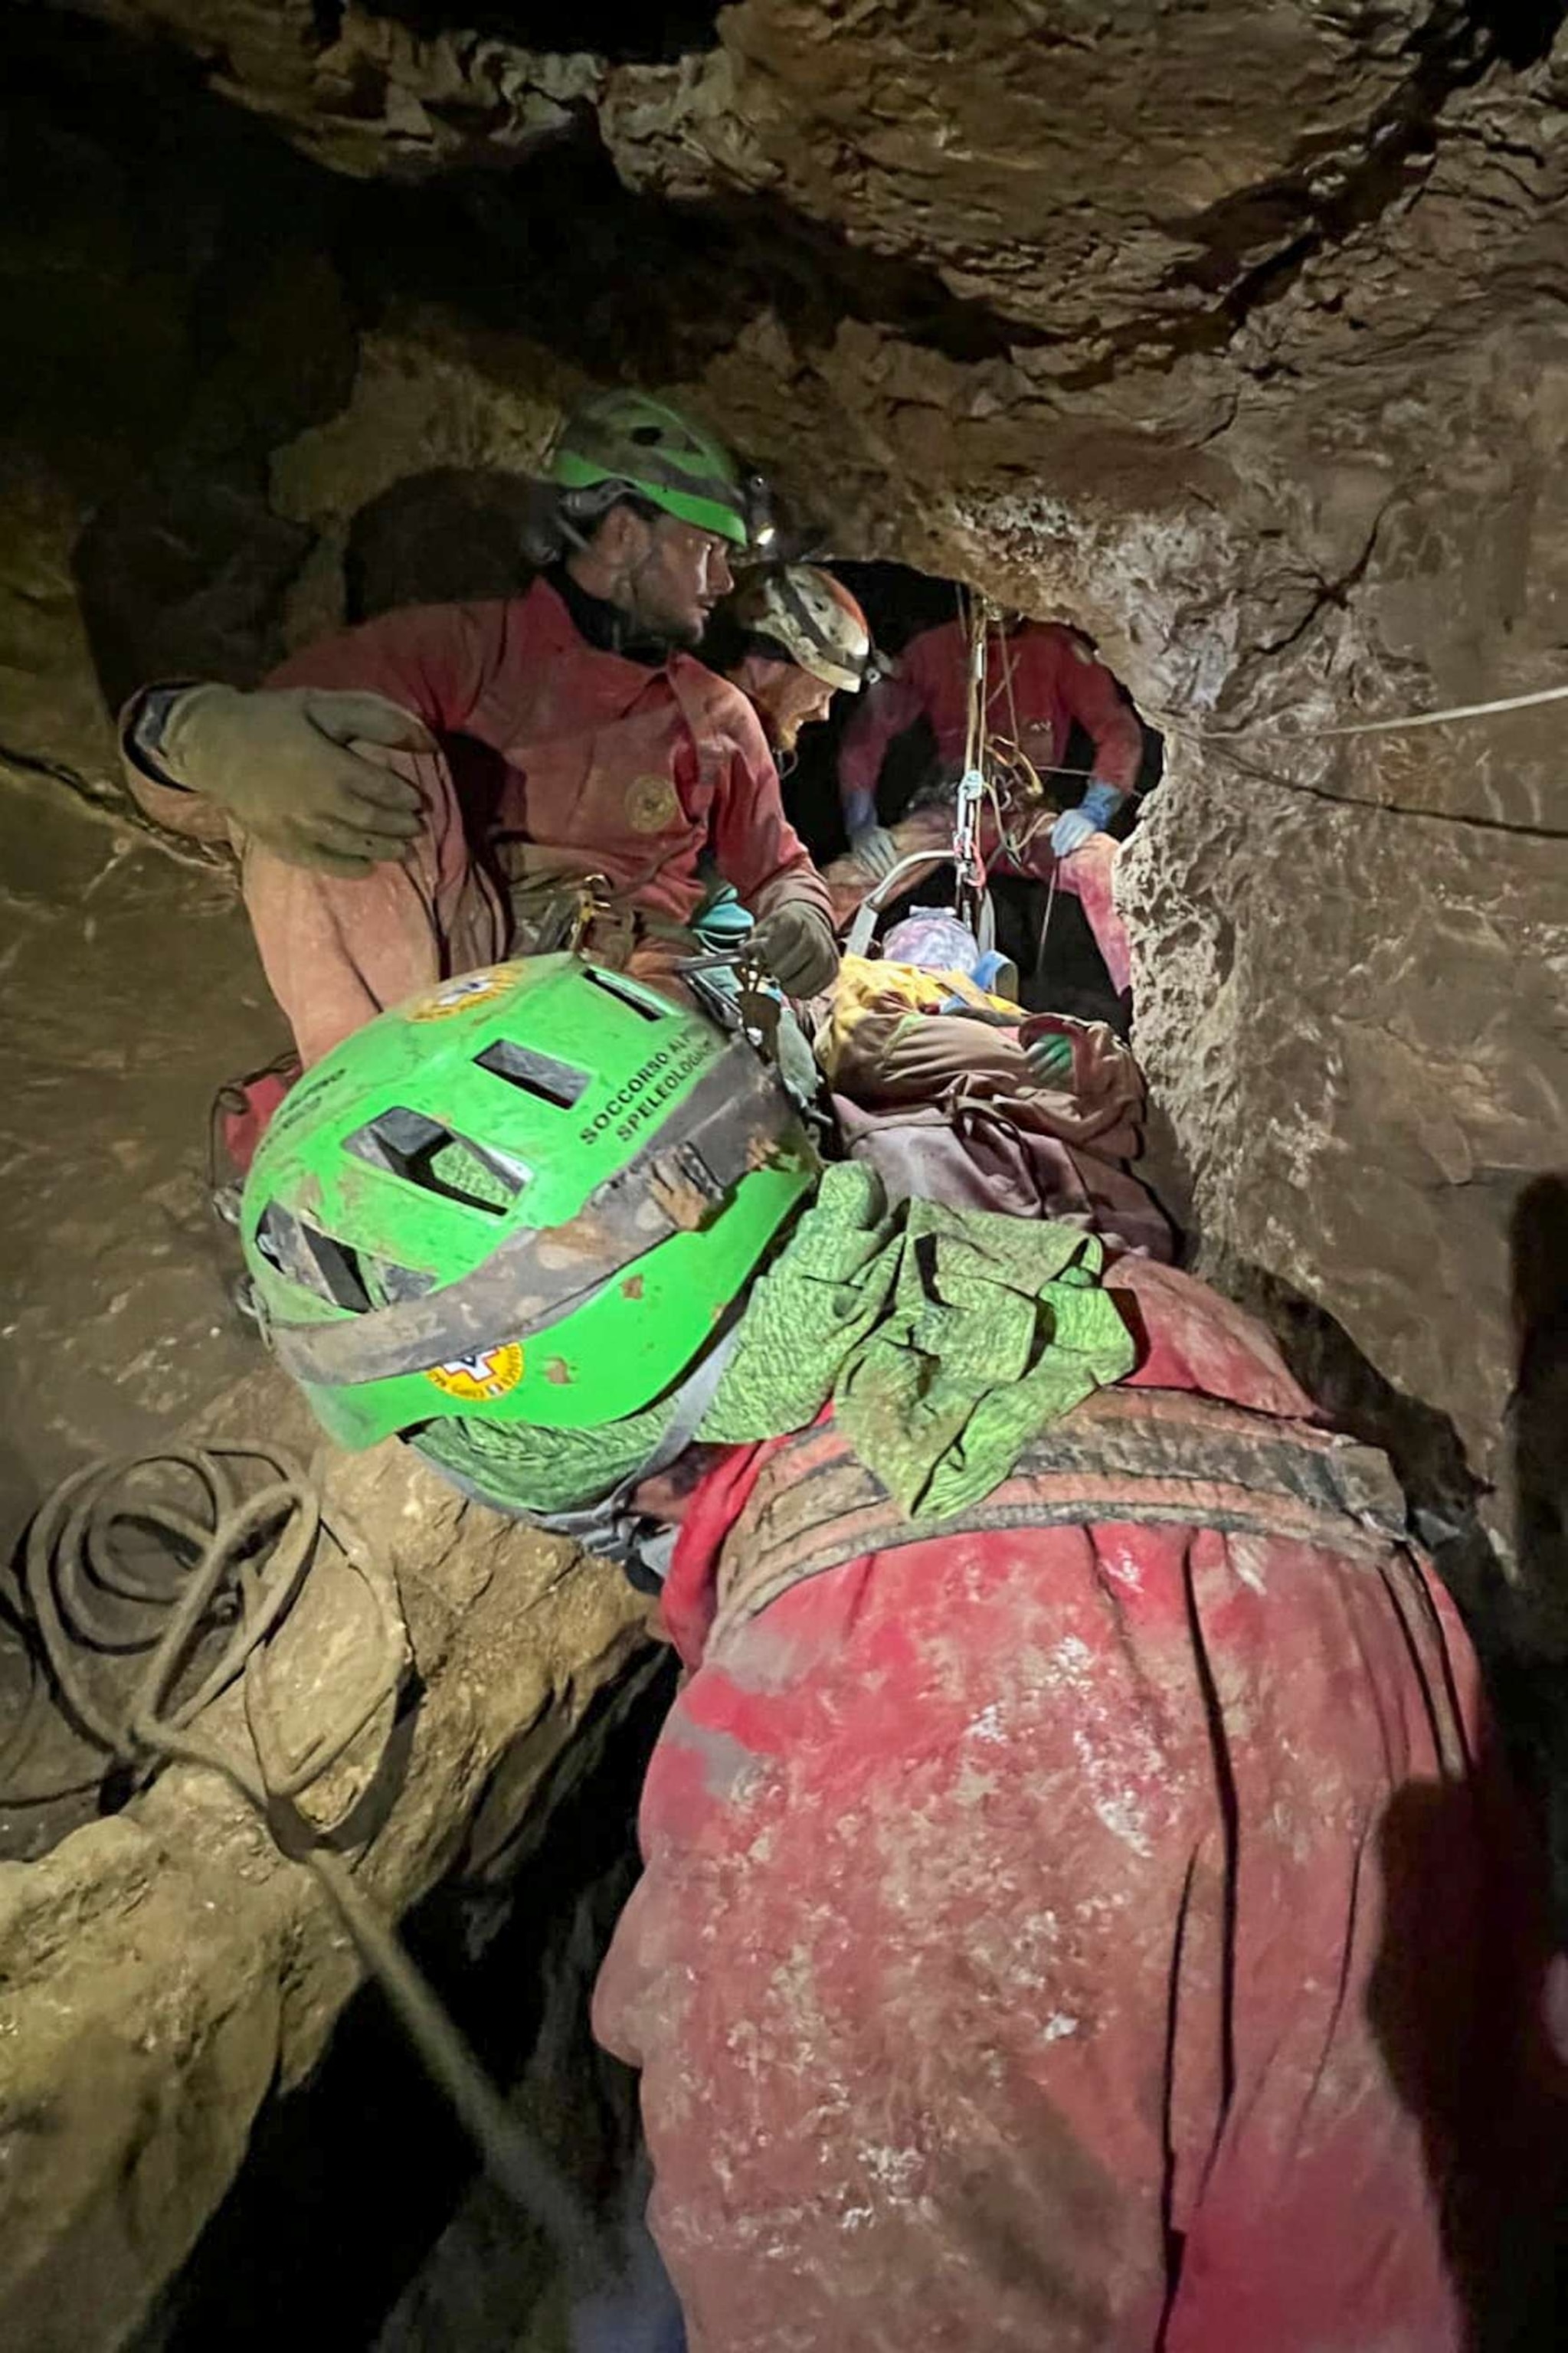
(1082, 1938)
(243, 1121)
(1049, 677)
(592, 762)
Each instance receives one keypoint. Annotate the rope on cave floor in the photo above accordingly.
(229, 1574)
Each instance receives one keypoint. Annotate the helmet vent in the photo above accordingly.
(438, 1160)
(627, 993)
(328, 1268)
(533, 1074)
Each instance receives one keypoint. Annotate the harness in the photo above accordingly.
(1153, 1458)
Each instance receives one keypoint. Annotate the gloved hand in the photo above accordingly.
(723, 923)
(278, 762)
(876, 850)
(796, 943)
(869, 841)
(1050, 1059)
(1093, 814)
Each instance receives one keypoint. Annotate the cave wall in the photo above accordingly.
(1237, 336)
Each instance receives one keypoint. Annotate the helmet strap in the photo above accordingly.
(611, 1527)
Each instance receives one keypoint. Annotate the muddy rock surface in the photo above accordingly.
(166, 1971)
(132, 991)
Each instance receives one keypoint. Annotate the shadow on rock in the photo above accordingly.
(1467, 2052)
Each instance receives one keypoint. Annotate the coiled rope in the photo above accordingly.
(238, 1561)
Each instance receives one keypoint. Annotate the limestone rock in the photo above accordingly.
(53, 716)
(163, 1971)
(359, 91)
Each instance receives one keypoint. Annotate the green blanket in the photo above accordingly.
(945, 1338)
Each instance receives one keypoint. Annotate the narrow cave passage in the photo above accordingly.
(1058, 963)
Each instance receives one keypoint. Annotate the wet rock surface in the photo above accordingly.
(166, 1971)
(130, 993)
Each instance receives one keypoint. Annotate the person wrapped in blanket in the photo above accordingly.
(1084, 1905)
(942, 1082)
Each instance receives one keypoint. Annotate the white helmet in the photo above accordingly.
(812, 619)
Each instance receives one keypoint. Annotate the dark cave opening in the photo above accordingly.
(361, 2216)
(1045, 936)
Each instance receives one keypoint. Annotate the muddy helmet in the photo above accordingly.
(532, 1194)
(623, 444)
(802, 613)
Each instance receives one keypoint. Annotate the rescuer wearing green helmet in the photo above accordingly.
(513, 1222)
(1079, 1848)
(448, 785)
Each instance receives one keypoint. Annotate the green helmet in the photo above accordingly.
(530, 1196)
(624, 444)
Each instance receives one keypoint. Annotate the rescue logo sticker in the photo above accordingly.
(460, 996)
(652, 802)
(479, 1380)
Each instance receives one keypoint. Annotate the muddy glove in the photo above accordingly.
(796, 943)
(876, 850)
(278, 762)
(869, 842)
(1093, 814)
(1050, 1059)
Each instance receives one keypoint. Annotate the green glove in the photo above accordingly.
(278, 762)
(1050, 1059)
(796, 943)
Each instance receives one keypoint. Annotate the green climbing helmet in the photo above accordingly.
(623, 444)
(532, 1195)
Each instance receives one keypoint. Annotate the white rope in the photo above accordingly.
(1441, 718)
(1386, 726)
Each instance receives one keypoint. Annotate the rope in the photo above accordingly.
(87, 1596)
(1229, 737)
(1441, 718)
(972, 898)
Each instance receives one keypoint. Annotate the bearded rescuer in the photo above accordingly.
(797, 637)
(449, 782)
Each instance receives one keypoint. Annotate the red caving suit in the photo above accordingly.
(555, 758)
(1093, 1934)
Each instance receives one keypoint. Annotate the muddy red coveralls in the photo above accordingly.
(1101, 1926)
(557, 759)
(1039, 680)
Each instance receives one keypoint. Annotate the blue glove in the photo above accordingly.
(1093, 814)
